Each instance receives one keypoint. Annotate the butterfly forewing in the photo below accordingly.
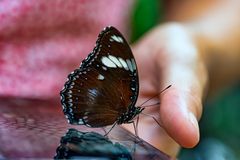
(106, 84)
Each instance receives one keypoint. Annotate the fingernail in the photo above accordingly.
(193, 120)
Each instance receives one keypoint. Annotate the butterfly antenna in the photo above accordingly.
(155, 96)
(151, 105)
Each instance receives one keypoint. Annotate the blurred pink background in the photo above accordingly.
(41, 42)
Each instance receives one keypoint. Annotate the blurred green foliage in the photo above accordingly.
(222, 116)
(209, 149)
(146, 14)
(220, 124)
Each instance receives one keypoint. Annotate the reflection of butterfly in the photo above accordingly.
(104, 90)
(73, 146)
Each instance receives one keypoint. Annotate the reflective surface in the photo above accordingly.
(33, 128)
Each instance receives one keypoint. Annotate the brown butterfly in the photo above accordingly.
(104, 89)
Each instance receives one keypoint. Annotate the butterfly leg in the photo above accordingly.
(135, 128)
(137, 138)
(104, 130)
(153, 119)
(110, 129)
(137, 122)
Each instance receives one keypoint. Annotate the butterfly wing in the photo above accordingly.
(106, 84)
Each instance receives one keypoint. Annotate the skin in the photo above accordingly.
(197, 54)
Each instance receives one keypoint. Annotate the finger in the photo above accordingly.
(181, 105)
(178, 115)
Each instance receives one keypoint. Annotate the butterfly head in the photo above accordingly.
(138, 110)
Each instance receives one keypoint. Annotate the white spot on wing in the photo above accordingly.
(115, 60)
(116, 38)
(107, 62)
(88, 125)
(104, 68)
(130, 65)
(80, 121)
(134, 64)
(86, 113)
(93, 91)
(100, 77)
(124, 64)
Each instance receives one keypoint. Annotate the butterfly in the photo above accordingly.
(104, 89)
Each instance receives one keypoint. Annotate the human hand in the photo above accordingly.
(169, 56)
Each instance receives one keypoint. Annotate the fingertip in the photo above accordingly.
(193, 124)
(178, 121)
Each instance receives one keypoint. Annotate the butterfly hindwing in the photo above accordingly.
(106, 84)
